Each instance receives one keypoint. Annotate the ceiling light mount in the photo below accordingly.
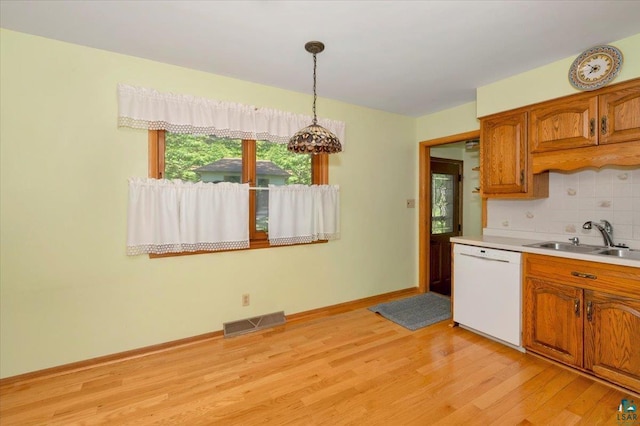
(314, 139)
(314, 47)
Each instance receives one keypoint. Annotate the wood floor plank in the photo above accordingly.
(532, 402)
(604, 411)
(548, 412)
(351, 368)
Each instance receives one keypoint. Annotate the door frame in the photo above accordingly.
(424, 201)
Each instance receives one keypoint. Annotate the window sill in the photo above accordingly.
(253, 245)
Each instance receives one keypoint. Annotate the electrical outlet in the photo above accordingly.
(245, 299)
(411, 204)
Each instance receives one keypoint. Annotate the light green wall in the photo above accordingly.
(448, 122)
(68, 292)
(452, 151)
(550, 81)
(471, 200)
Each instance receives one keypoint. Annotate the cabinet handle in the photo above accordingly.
(589, 310)
(603, 125)
(522, 177)
(583, 275)
(592, 127)
(576, 307)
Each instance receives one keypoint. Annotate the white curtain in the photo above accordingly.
(171, 216)
(144, 108)
(302, 214)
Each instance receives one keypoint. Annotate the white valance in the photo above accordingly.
(302, 214)
(172, 216)
(144, 108)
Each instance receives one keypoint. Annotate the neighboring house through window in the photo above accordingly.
(230, 170)
(267, 172)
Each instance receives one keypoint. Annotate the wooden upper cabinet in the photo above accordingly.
(564, 124)
(504, 159)
(593, 129)
(619, 112)
(610, 115)
(503, 154)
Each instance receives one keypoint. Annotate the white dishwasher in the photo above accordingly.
(487, 296)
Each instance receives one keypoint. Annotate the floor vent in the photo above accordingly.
(235, 328)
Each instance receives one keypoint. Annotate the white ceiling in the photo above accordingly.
(407, 57)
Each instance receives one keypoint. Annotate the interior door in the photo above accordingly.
(446, 220)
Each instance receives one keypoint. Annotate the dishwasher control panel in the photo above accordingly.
(487, 253)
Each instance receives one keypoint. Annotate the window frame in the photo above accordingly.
(257, 239)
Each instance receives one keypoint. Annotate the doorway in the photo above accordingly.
(446, 220)
(424, 201)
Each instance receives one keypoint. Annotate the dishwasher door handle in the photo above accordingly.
(484, 258)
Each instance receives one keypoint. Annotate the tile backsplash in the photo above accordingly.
(612, 194)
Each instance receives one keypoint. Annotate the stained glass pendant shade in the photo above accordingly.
(314, 139)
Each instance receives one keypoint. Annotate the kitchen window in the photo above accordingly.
(214, 159)
(169, 216)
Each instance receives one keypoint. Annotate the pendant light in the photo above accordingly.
(314, 139)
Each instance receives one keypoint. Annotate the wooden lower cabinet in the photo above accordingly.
(585, 315)
(553, 320)
(612, 338)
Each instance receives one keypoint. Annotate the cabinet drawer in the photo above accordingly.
(616, 279)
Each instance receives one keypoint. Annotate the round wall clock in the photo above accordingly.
(595, 67)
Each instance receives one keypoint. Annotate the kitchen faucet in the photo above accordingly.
(605, 229)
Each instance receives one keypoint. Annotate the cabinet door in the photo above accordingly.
(620, 115)
(503, 154)
(612, 338)
(564, 124)
(553, 320)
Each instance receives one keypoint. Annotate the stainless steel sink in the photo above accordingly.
(587, 249)
(621, 252)
(555, 245)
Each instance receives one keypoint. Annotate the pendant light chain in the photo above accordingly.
(315, 120)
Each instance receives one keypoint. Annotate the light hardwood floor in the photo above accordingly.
(351, 368)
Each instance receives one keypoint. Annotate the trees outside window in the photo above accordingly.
(197, 158)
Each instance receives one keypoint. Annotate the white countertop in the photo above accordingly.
(519, 245)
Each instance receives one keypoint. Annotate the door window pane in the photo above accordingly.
(442, 203)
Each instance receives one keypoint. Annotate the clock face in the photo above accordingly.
(595, 67)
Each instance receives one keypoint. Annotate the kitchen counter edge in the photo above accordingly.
(519, 245)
